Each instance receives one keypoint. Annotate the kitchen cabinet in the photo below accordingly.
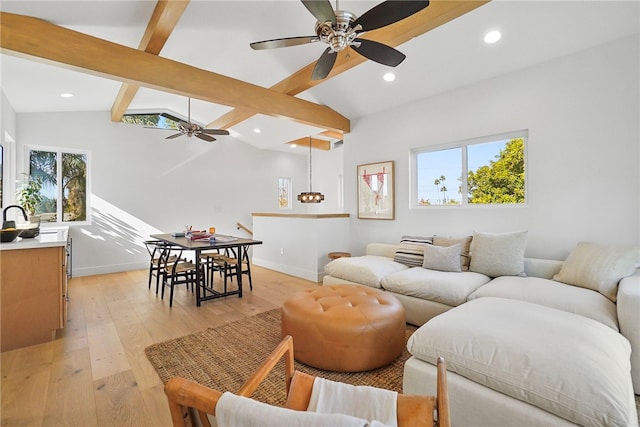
(33, 291)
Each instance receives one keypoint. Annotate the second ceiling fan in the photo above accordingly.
(192, 129)
(340, 29)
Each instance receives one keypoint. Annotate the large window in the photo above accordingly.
(56, 187)
(481, 171)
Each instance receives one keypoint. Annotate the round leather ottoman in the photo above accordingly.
(345, 328)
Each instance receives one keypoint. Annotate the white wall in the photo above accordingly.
(142, 183)
(7, 137)
(299, 246)
(327, 173)
(582, 112)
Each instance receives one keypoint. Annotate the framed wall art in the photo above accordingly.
(284, 193)
(376, 191)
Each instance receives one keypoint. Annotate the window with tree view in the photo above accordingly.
(482, 171)
(56, 187)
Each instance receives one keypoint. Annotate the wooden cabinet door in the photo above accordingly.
(31, 294)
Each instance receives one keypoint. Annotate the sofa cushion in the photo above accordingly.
(464, 253)
(443, 287)
(553, 294)
(367, 269)
(498, 254)
(566, 364)
(545, 268)
(442, 258)
(598, 267)
(410, 252)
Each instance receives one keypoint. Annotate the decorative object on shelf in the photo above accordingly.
(310, 196)
(376, 191)
(284, 193)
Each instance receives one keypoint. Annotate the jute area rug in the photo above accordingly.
(224, 357)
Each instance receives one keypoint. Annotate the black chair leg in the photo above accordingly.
(171, 295)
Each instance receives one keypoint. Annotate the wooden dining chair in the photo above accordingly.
(212, 264)
(177, 271)
(156, 250)
(188, 400)
(229, 264)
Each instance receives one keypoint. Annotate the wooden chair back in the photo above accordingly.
(188, 400)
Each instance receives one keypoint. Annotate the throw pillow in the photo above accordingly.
(465, 243)
(598, 267)
(442, 258)
(411, 250)
(498, 254)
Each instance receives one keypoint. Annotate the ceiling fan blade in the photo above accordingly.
(387, 13)
(324, 65)
(379, 52)
(215, 131)
(205, 137)
(175, 135)
(321, 9)
(183, 125)
(284, 42)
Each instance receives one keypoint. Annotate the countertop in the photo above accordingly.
(49, 237)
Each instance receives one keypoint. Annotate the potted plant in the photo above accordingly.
(29, 196)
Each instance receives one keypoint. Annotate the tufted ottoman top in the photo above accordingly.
(344, 327)
(341, 302)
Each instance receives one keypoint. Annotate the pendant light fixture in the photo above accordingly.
(310, 196)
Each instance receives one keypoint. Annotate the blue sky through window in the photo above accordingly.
(431, 165)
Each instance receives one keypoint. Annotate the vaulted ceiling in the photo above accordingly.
(140, 56)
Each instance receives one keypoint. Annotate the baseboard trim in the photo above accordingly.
(313, 276)
(107, 269)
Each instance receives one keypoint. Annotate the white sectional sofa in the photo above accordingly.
(549, 343)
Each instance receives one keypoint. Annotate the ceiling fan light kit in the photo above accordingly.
(340, 29)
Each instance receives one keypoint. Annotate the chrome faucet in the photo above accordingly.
(12, 224)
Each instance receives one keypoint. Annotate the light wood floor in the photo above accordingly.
(96, 373)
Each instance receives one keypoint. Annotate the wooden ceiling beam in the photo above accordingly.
(39, 40)
(164, 19)
(320, 144)
(438, 12)
(332, 134)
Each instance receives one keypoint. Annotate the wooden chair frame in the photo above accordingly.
(156, 250)
(413, 411)
(229, 264)
(177, 271)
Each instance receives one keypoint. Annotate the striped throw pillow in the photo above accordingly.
(411, 250)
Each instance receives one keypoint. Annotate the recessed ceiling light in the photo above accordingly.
(492, 36)
(293, 145)
(389, 77)
(66, 95)
(256, 130)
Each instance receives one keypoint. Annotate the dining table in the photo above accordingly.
(205, 292)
